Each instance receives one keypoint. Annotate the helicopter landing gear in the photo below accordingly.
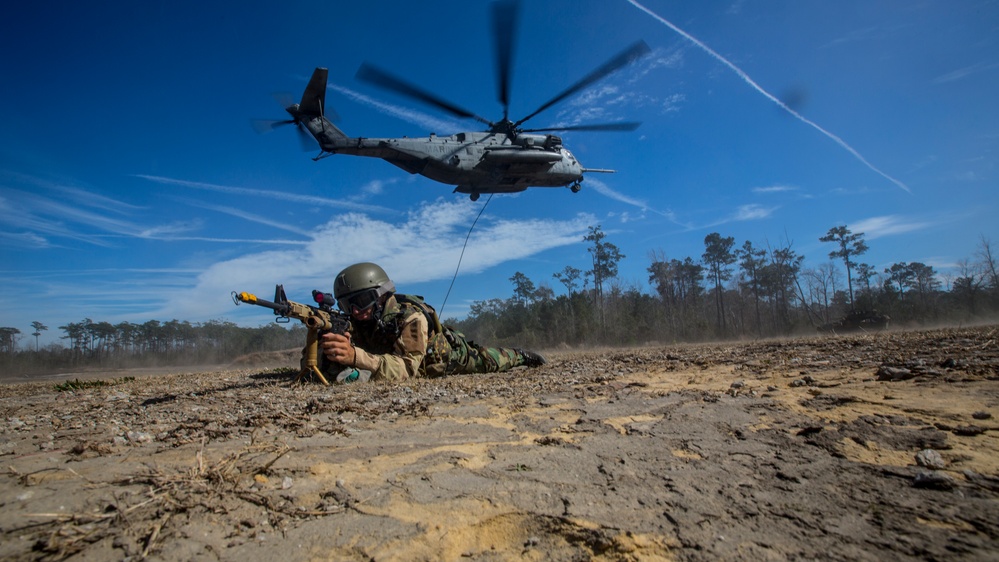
(575, 187)
(474, 196)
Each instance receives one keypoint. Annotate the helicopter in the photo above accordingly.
(504, 158)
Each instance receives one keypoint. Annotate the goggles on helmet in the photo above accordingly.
(356, 303)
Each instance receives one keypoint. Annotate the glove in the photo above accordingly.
(353, 374)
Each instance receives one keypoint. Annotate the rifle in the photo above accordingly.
(318, 319)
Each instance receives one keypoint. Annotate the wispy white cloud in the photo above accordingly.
(735, 8)
(659, 58)
(745, 78)
(888, 225)
(270, 194)
(605, 190)
(374, 187)
(220, 240)
(171, 230)
(742, 213)
(673, 102)
(67, 191)
(856, 35)
(25, 240)
(40, 219)
(423, 247)
(252, 217)
(611, 99)
(753, 212)
(965, 72)
(775, 189)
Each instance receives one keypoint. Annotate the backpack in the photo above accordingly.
(438, 357)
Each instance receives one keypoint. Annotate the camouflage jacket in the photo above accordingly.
(408, 341)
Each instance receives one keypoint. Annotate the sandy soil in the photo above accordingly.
(863, 447)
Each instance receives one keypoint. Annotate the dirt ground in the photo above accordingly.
(853, 447)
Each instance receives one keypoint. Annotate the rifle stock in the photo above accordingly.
(318, 319)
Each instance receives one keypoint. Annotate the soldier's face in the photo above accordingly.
(362, 315)
(360, 305)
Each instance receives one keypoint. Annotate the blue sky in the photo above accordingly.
(132, 186)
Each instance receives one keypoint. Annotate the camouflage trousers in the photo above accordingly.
(468, 358)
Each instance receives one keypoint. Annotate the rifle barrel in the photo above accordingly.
(250, 298)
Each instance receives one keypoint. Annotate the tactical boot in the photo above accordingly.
(532, 359)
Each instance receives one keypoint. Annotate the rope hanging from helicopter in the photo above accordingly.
(440, 313)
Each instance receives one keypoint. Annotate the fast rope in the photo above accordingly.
(440, 314)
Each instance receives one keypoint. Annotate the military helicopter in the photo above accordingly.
(505, 158)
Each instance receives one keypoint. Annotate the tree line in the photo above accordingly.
(91, 344)
(731, 292)
(727, 292)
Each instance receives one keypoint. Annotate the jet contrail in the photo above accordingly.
(745, 77)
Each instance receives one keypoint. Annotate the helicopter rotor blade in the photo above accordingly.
(267, 125)
(307, 141)
(626, 57)
(504, 32)
(378, 77)
(284, 99)
(621, 126)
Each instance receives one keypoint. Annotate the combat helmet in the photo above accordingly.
(360, 287)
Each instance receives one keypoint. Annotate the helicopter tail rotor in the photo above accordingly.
(312, 105)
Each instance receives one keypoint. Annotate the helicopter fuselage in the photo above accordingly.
(474, 162)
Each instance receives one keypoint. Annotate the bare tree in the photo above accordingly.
(987, 262)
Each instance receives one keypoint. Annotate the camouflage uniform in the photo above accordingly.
(409, 341)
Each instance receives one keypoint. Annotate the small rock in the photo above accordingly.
(287, 483)
(886, 373)
(930, 459)
(969, 430)
(738, 384)
(981, 415)
(933, 481)
(138, 437)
